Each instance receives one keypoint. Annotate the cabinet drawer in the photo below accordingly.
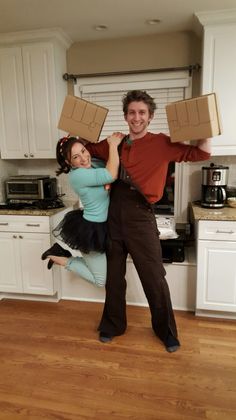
(24, 224)
(217, 230)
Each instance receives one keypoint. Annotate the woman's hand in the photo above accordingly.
(115, 139)
(114, 160)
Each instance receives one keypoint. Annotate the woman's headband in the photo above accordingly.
(64, 139)
(62, 142)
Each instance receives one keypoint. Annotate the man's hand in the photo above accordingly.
(115, 139)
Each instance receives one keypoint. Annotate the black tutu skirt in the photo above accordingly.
(81, 234)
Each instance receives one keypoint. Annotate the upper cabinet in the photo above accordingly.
(32, 92)
(218, 73)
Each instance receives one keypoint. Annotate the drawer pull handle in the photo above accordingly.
(33, 224)
(4, 224)
(225, 231)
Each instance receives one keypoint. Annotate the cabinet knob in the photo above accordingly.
(14, 236)
(20, 236)
(31, 155)
(26, 155)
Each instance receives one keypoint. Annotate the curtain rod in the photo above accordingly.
(74, 77)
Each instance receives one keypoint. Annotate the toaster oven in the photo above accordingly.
(30, 187)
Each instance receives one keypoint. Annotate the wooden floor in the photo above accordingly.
(53, 367)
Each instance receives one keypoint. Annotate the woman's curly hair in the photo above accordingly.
(63, 153)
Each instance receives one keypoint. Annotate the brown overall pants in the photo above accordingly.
(133, 230)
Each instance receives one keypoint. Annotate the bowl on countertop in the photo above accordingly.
(231, 201)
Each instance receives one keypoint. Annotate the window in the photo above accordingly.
(108, 91)
(164, 87)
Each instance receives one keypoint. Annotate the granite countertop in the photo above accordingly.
(38, 212)
(200, 213)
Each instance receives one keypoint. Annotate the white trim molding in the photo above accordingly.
(216, 17)
(36, 35)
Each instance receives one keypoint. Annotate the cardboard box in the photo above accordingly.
(82, 118)
(194, 119)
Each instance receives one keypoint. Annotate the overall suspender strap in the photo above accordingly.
(125, 176)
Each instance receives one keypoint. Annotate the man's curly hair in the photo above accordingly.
(138, 96)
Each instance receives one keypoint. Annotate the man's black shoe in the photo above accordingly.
(105, 338)
(172, 344)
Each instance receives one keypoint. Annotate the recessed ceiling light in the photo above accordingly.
(100, 28)
(153, 21)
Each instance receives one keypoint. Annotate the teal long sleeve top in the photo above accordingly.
(88, 184)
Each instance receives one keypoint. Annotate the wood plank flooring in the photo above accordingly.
(53, 367)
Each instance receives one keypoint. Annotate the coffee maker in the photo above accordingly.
(214, 183)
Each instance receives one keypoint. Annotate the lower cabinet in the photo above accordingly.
(181, 278)
(216, 266)
(22, 241)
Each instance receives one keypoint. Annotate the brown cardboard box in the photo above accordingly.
(194, 119)
(82, 118)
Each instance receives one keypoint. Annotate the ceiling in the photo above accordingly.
(124, 18)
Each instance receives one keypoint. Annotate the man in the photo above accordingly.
(144, 163)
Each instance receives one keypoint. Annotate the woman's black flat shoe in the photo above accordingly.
(57, 251)
(50, 264)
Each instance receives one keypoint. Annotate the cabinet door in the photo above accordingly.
(41, 104)
(13, 120)
(218, 75)
(36, 278)
(29, 101)
(216, 275)
(10, 263)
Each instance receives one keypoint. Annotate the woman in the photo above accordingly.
(85, 230)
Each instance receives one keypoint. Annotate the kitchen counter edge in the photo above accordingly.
(39, 212)
(200, 213)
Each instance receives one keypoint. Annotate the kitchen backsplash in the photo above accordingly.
(195, 174)
(48, 167)
(35, 167)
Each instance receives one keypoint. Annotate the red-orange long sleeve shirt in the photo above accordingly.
(146, 160)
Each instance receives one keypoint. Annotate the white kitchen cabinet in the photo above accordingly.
(216, 267)
(32, 92)
(23, 239)
(218, 73)
(10, 280)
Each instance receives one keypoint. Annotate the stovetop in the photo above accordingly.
(33, 205)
